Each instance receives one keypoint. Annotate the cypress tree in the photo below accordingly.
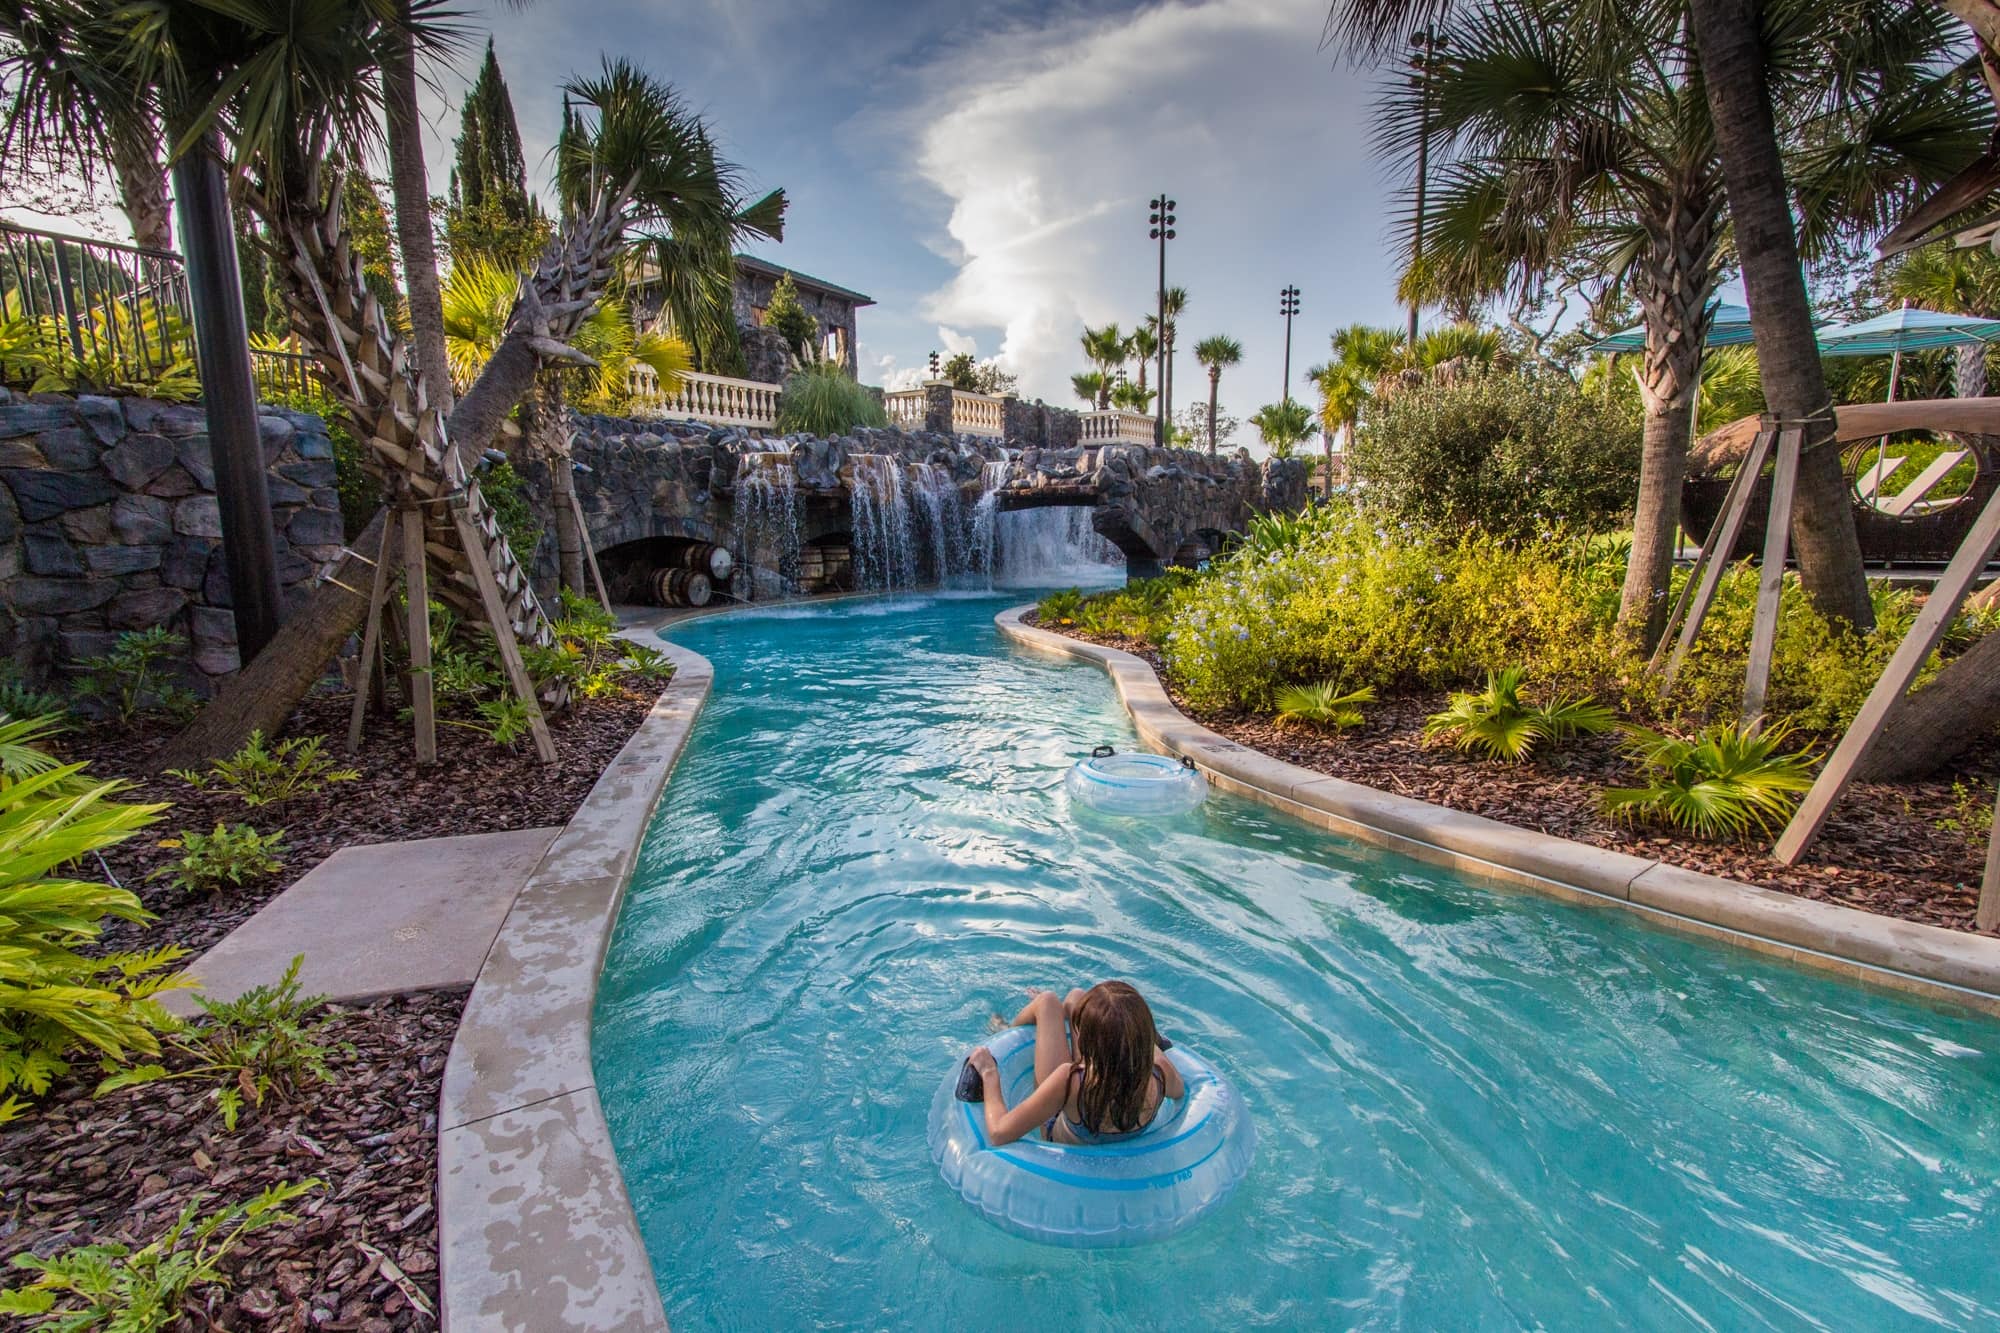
(489, 164)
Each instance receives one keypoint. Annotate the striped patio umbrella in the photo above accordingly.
(1905, 330)
(1728, 326)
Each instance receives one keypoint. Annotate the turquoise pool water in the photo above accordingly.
(1475, 1108)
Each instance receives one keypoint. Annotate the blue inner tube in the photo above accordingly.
(1136, 784)
(1145, 1188)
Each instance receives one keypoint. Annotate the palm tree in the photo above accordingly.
(1141, 346)
(1104, 348)
(1216, 352)
(1176, 299)
(1092, 386)
(1362, 356)
(1284, 426)
(410, 188)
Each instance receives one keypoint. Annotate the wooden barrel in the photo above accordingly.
(712, 560)
(680, 587)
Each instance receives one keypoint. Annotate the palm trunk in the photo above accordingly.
(1954, 713)
(142, 187)
(1970, 373)
(1214, 387)
(413, 210)
(549, 437)
(1673, 280)
(1727, 36)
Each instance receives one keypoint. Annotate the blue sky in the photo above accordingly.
(986, 182)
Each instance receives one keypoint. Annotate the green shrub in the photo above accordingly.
(55, 999)
(234, 855)
(1499, 723)
(1515, 454)
(823, 399)
(1060, 608)
(113, 1287)
(506, 491)
(258, 775)
(1322, 705)
(20, 699)
(268, 1041)
(359, 490)
(136, 678)
(1728, 781)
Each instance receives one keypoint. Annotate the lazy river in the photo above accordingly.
(1475, 1108)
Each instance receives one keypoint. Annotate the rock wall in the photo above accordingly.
(109, 523)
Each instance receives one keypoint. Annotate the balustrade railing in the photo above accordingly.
(90, 312)
(977, 414)
(1116, 427)
(716, 399)
(906, 408)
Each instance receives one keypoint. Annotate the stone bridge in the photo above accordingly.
(647, 488)
(1159, 506)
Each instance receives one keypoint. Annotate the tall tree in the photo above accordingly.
(1142, 345)
(489, 212)
(1217, 352)
(1284, 426)
(1362, 355)
(1104, 348)
(399, 51)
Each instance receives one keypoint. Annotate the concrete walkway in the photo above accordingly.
(378, 920)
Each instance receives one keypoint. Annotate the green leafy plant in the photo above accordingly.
(20, 699)
(1323, 705)
(235, 855)
(259, 775)
(504, 721)
(1972, 811)
(269, 1041)
(55, 998)
(648, 664)
(823, 399)
(1726, 782)
(1060, 608)
(113, 1287)
(1497, 722)
(135, 677)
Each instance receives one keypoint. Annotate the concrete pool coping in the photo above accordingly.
(1930, 962)
(535, 1228)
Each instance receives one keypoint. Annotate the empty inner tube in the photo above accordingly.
(1136, 784)
(1160, 1181)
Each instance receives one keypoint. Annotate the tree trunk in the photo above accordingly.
(1970, 373)
(548, 436)
(263, 694)
(1214, 387)
(1823, 535)
(1955, 712)
(411, 188)
(142, 188)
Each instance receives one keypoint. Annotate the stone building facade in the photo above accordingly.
(833, 306)
(109, 523)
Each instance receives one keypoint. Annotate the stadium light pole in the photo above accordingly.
(1161, 220)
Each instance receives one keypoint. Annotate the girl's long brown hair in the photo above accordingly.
(1115, 1038)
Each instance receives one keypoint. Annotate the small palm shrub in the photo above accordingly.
(1322, 705)
(234, 855)
(259, 775)
(1060, 608)
(823, 399)
(1498, 723)
(136, 677)
(1727, 782)
(269, 1041)
(114, 1287)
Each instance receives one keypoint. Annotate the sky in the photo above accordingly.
(987, 182)
(986, 179)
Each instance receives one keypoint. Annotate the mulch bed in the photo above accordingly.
(364, 1254)
(1883, 850)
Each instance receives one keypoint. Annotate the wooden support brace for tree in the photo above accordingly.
(416, 589)
(371, 636)
(1698, 593)
(503, 637)
(590, 553)
(1771, 578)
(1871, 723)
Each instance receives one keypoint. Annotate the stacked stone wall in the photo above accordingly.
(109, 523)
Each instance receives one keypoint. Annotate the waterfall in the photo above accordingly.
(767, 524)
(1053, 545)
(984, 518)
(884, 554)
(941, 514)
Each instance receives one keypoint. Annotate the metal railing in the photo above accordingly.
(91, 312)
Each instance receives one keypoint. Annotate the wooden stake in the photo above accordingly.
(590, 552)
(416, 589)
(1987, 916)
(1771, 578)
(1872, 721)
(371, 638)
(503, 635)
(1714, 557)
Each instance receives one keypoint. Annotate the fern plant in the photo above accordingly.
(259, 775)
(114, 1287)
(1500, 724)
(269, 1040)
(135, 677)
(1727, 782)
(1322, 705)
